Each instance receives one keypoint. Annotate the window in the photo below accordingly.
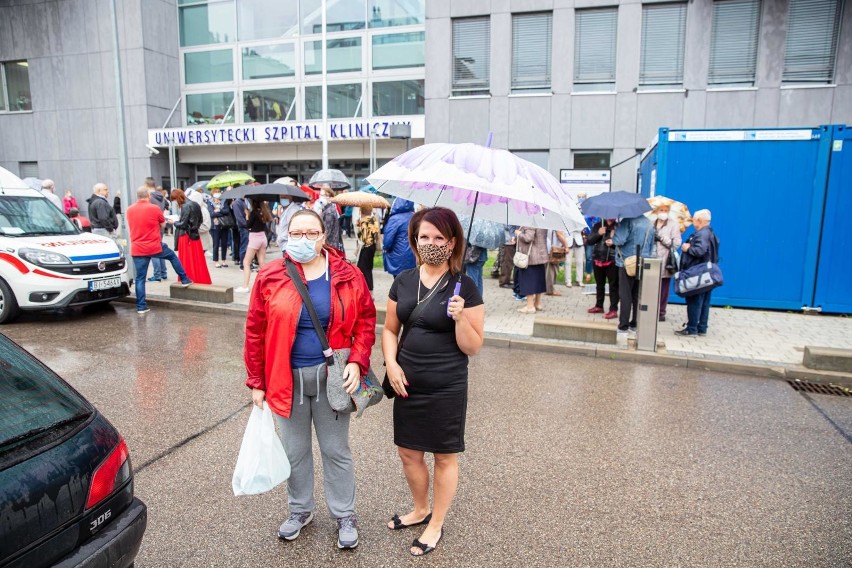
(388, 13)
(733, 44)
(207, 22)
(540, 158)
(15, 95)
(591, 160)
(266, 62)
(209, 108)
(208, 66)
(663, 34)
(341, 15)
(395, 98)
(27, 170)
(269, 105)
(531, 51)
(267, 19)
(343, 100)
(594, 49)
(342, 55)
(394, 51)
(35, 402)
(812, 33)
(471, 56)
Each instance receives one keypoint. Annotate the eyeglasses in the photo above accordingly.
(312, 235)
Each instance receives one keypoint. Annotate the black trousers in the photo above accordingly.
(602, 274)
(365, 263)
(220, 242)
(628, 294)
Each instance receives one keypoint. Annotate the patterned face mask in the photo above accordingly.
(435, 254)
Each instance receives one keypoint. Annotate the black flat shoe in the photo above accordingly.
(398, 524)
(425, 547)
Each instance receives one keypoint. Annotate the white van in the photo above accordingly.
(46, 262)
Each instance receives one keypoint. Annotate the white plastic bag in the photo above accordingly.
(262, 463)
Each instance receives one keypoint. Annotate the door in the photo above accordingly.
(834, 271)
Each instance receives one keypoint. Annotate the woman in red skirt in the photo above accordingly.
(189, 249)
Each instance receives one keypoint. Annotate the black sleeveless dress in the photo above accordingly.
(432, 418)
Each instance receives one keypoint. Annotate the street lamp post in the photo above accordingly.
(324, 92)
(124, 176)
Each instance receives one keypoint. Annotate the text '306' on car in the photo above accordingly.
(66, 482)
(46, 262)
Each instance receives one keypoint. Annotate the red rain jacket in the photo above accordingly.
(273, 316)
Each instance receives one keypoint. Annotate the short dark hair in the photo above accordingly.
(448, 224)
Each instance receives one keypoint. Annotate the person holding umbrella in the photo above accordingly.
(427, 367)
(630, 233)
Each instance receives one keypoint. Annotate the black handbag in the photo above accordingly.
(227, 221)
(412, 320)
(671, 267)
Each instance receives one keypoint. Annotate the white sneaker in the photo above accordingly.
(241, 290)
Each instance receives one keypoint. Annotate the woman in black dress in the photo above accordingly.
(428, 371)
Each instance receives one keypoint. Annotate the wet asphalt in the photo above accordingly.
(570, 461)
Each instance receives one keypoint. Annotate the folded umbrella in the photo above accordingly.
(616, 205)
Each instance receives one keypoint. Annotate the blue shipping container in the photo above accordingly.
(778, 197)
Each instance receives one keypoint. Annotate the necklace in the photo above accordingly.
(432, 291)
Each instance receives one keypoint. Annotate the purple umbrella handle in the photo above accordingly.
(456, 291)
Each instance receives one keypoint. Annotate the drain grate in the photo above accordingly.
(817, 388)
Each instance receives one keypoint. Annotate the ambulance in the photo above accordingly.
(47, 263)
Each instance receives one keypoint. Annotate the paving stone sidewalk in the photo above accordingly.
(738, 335)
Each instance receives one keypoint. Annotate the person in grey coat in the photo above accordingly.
(630, 233)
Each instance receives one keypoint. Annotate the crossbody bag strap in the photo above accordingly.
(327, 351)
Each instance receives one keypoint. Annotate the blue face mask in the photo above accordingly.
(301, 250)
(284, 201)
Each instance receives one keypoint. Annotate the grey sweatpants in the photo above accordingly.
(310, 404)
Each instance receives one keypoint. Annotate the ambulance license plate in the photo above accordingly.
(105, 284)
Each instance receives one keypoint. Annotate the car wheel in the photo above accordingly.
(8, 304)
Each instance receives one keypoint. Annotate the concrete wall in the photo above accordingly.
(627, 119)
(72, 132)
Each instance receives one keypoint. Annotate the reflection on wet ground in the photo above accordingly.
(570, 461)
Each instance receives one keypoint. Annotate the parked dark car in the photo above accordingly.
(66, 484)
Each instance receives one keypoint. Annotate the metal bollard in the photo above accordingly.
(649, 304)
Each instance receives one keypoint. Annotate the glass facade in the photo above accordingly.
(343, 101)
(16, 96)
(208, 66)
(207, 22)
(395, 98)
(388, 13)
(268, 62)
(267, 19)
(342, 15)
(395, 51)
(342, 55)
(269, 105)
(262, 55)
(209, 108)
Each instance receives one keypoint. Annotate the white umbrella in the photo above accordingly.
(481, 182)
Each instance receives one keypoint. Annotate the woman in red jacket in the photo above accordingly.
(286, 367)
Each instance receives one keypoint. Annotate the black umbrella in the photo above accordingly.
(615, 205)
(266, 192)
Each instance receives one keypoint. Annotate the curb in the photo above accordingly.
(777, 371)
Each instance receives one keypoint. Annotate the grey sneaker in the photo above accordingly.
(290, 529)
(347, 532)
